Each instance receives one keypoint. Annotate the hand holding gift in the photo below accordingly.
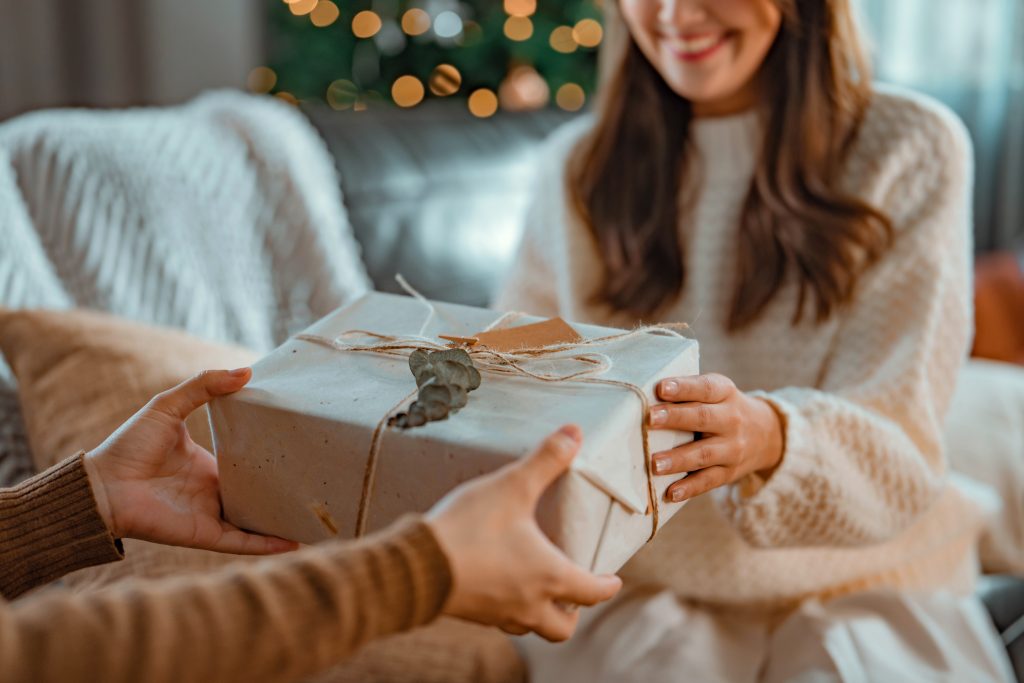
(154, 483)
(742, 434)
(505, 571)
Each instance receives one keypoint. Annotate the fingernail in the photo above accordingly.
(571, 431)
(239, 372)
(677, 495)
(661, 465)
(669, 387)
(658, 416)
(563, 442)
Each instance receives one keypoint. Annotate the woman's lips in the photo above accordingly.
(698, 47)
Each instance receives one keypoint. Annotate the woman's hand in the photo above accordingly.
(505, 571)
(740, 434)
(152, 482)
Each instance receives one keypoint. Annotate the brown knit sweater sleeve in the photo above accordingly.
(281, 619)
(49, 526)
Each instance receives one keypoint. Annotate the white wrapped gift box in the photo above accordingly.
(293, 447)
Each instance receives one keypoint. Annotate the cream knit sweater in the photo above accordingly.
(860, 498)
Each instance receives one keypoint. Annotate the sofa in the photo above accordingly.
(433, 194)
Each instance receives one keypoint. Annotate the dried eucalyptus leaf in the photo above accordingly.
(436, 410)
(426, 376)
(444, 379)
(457, 355)
(416, 417)
(417, 359)
(459, 397)
(435, 393)
(419, 363)
(449, 372)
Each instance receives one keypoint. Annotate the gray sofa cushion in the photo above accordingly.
(434, 193)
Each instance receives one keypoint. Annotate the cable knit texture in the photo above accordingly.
(860, 498)
(278, 620)
(222, 217)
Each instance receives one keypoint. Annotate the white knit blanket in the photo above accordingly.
(223, 217)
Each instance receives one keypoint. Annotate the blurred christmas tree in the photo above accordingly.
(516, 54)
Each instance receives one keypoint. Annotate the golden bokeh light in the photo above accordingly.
(562, 41)
(518, 28)
(415, 22)
(483, 103)
(570, 97)
(287, 97)
(587, 33)
(366, 24)
(324, 14)
(445, 80)
(523, 89)
(407, 91)
(262, 79)
(302, 7)
(342, 94)
(520, 8)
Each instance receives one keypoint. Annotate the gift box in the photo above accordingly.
(305, 451)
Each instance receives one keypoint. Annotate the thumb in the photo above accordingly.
(196, 392)
(551, 459)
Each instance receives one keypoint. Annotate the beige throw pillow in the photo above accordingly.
(81, 374)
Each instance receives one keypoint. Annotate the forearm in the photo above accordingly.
(848, 477)
(49, 526)
(282, 619)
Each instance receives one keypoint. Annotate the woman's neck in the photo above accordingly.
(736, 102)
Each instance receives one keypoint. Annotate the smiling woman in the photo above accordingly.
(742, 174)
(709, 58)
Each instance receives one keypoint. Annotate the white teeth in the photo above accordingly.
(695, 45)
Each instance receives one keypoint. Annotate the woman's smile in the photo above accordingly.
(695, 47)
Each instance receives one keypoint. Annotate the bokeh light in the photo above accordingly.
(324, 14)
(342, 94)
(302, 7)
(407, 91)
(287, 97)
(570, 97)
(483, 103)
(415, 22)
(587, 33)
(262, 79)
(561, 40)
(518, 28)
(365, 24)
(520, 8)
(523, 89)
(448, 24)
(445, 80)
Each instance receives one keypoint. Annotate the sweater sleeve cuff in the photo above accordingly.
(425, 570)
(757, 506)
(50, 526)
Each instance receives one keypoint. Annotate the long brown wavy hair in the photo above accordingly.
(625, 178)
